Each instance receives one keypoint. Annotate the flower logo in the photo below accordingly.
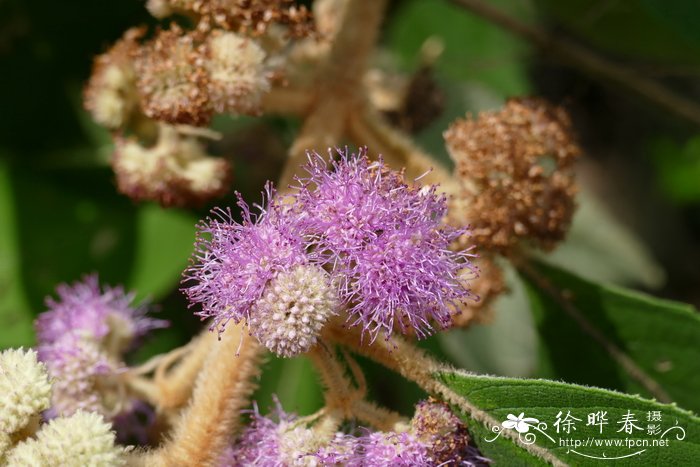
(520, 423)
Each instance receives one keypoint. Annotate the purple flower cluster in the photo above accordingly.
(233, 263)
(376, 449)
(381, 241)
(436, 437)
(386, 243)
(269, 442)
(85, 309)
(82, 337)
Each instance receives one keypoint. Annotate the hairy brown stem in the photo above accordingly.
(379, 418)
(338, 83)
(339, 393)
(175, 387)
(369, 127)
(588, 61)
(343, 398)
(414, 364)
(287, 101)
(222, 390)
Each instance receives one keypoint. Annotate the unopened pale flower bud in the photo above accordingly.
(293, 309)
(238, 78)
(25, 389)
(84, 439)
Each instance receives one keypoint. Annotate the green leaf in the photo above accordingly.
(598, 246)
(629, 28)
(474, 49)
(71, 223)
(615, 338)
(15, 313)
(496, 398)
(678, 168)
(164, 242)
(683, 16)
(293, 382)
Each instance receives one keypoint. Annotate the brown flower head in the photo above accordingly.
(516, 170)
(176, 171)
(435, 425)
(252, 17)
(173, 78)
(110, 95)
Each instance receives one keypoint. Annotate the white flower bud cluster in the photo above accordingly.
(238, 77)
(83, 439)
(25, 389)
(293, 309)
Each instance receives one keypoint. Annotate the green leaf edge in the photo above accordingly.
(509, 453)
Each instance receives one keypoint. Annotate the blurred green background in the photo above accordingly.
(638, 222)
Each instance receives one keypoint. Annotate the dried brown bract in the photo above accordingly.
(176, 171)
(111, 96)
(516, 169)
(173, 78)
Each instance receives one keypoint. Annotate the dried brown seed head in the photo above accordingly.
(175, 172)
(435, 425)
(516, 169)
(173, 78)
(252, 17)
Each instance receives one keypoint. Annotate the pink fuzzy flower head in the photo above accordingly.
(385, 243)
(82, 338)
(234, 262)
(354, 235)
(275, 441)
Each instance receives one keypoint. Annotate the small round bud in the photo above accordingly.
(25, 389)
(159, 8)
(293, 309)
(76, 441)
(238, 79)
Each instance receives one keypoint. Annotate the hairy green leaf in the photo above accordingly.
(615, 338)
(557, 436)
